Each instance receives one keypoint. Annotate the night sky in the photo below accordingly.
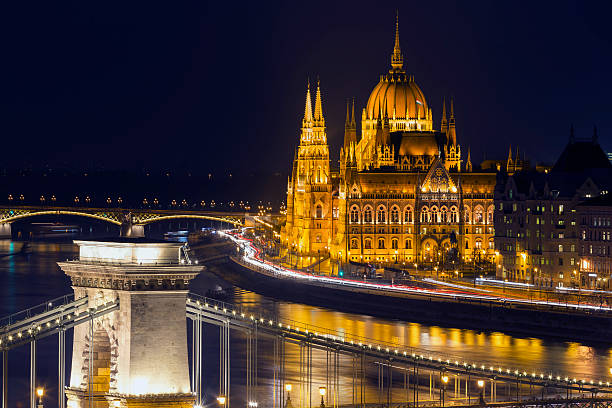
(220, 86)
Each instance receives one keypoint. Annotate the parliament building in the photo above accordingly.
(404, 192)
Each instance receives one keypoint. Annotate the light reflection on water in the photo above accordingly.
(31, 279)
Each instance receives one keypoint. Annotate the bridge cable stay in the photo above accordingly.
(49, 318)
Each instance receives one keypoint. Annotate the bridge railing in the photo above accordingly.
(26, 314)
(485, 368)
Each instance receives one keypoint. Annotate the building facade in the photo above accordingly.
(403, 192)
(543, 225)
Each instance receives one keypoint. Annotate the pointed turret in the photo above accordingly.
(451, 134)
(510, 154)
(353, 123)
(468, 163)
(350, 131)
(307, 109)
(397, 59)
(318, 112)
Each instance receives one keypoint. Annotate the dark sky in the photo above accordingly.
(221, 85)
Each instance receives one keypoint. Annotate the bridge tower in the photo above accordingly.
(136, 355)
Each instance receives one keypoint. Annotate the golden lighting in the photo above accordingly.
(221, 399)
(322, 391)
(445, 379)
(40, 392)
(480, 383)
(288, 387)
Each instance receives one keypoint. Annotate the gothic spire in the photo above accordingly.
(347, 121)
(308, 108)
(318, 112)
(397, 59)
(353, 114)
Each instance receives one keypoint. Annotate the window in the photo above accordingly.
(354, 243)
(454, 215)
(318, 238)
(367, 214)
(560, 261)
(443, 215)
(478, 244)
(466, 216)
(408, 215)
(367, 243)
(354, 214)
(394, 242)
(434, 215)
(318, 211)
(560, 209)
(395, 215)
(381, 215)
(424, 214)
(408, 244)
(478, 215)
(491, 245)
(381, 243)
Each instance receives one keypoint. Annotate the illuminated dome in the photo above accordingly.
(400, 95)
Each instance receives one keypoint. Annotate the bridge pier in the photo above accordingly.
(136, 355)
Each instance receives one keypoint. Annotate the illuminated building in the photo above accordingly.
(138, 352)
(403, 193)
(549, 230)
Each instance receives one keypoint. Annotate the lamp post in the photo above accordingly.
(322, 391)
(444, 382)
(288, 389)
(221, 400)
(40, 392)
(481, 387)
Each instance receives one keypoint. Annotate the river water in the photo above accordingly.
(27, 280)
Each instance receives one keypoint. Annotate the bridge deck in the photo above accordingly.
(216, 312)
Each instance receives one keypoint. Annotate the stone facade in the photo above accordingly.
(132, 344)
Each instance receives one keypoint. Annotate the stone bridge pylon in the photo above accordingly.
(136, 355)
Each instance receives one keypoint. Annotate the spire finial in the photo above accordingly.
(353, 113)
(318, 112)
(452, 109)
(444, 109)
(397, 60)
(308, 107)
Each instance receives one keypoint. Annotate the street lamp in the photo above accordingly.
(288, 389)
(221, 400)
(322, 391)
(40, 392)
(444, 382)
(481, 386)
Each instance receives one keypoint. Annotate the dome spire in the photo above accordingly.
(397, 59)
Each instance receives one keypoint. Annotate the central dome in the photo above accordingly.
(399, 95)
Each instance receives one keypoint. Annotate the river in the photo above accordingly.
(27, 280)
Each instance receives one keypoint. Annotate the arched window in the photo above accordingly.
(381, 243)
(478, 244)
(319, 174)
(490, 215)
(367, 214)
(408, 215)
(354, 214)
(318, 211)
(443, 215)
(467, 216)
(454, 215)
(381, 215)
(424, 214)
(478, 217)
(395, 215)
(394, 243)
(434, 215)
(408, 244)
(354, 243)
(491, 244)
(367, 243)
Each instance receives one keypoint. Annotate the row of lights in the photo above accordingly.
(415, 356)
(32, 331)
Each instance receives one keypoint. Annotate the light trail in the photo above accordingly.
(252, 256)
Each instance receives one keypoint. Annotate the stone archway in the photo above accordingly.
(429, 250)
(104, 362)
